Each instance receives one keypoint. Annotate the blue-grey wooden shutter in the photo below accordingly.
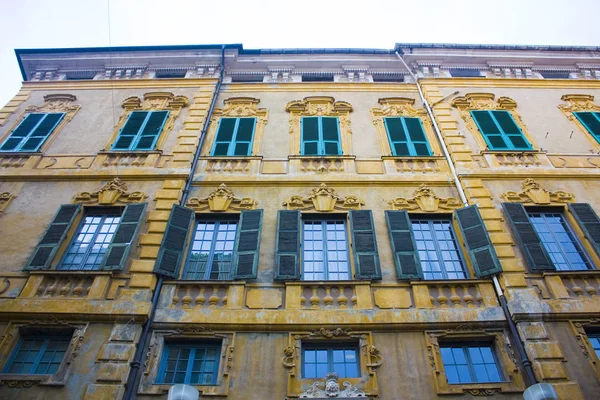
(130, 130)
(151, 132)
(417, 136)
(591, 121)
(529, 242)
(172, 248)
(589, 223)
(287, 247)
(479, 246)
(41, 132)
(364, 242)
(404, 248)
(46, 249)
(119, 249)
(18, 135)
(247, 245)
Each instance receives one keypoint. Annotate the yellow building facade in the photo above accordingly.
(280, 224)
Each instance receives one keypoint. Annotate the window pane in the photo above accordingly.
(201, 369)
(211, 250)
(325, 251)
(39, 355)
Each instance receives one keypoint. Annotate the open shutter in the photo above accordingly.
(366, 257)
(170, 255)
(404, 248)
(531, 246)
(247, 244)
(588, 222)
(151, 131)
(119, 249)
(53, 237)
(591, 121)
(287, 247)
(481, 250)
(130, 130)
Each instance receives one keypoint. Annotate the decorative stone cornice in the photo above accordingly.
(425, 200)
(113, 192)
(323, 199)
(5, 199)
(533, 192)
(221, 199)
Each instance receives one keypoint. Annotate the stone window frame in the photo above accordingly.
(369, 359)
(580, 103)
(15, 331)
(580, 329)
(148, 384)
(503, 350)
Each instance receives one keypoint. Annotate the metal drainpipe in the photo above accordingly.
(133, 380)
(525, 362)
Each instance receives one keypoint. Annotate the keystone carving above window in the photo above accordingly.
(323, 199)
(113, 192)
(533, 192)
(426, 200)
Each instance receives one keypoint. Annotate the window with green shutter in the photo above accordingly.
(32, 132)
(500, 130)
(141, 131)
(591, 122)
(320, 136)
(234, 137)
(407, 136)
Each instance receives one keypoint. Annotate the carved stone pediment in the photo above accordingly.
(242, 107)
(323, 199)
(483, 101)
(156, 101)
(398, 107)
(5, 199)
(578, 102)
(56, 103)
(533, 192)
(113, 192)
(318, 106)
(424, 199)
(221, 199)
(331, 388)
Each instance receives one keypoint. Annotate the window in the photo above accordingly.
(560, 242)
(438, 249)
(318, 360)
(234, 137)
(407, 137)
(320, 136)
(170, 74)
(317, 78)
(388, 78)
(39, 355)
(500, 130)
(325, 249)
(80, 75)
(91, 242)
(464, 73)
(32, 132)
(192, 364)
(472, 363)
(141, 131)
(591, 121)
(247, 78)
(211, 250)
(595, 342)
(555, 75)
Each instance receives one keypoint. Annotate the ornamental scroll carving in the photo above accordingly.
(221, 199)
(533, 192)
(54, 103)
(113, 192)
(323, 199)
(424, 199)
(331, 388)
(5, 199)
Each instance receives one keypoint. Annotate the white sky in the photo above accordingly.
(284, 23)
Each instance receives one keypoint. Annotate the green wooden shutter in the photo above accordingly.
(588, 222)
(53, 237)
(419, 143)
(287, 247)
(41, 132)
(151, 131)
(330, 136)
(404, 248)
(119, 249)
(18, 135)
(479, 246)
(500, 130)
(172, 248)
(130, 130)
(529, 242)
(591, 121)
(247, 245)
(364, 242)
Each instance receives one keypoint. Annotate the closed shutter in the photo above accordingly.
(588, 222)
(309, 126)
(591, 121)
(130, 130)
(364, 242)
(531, 246)
(404, 248)
(417, 136)
(479, 246)
(151, 131)
(172, 248)
(500, 130)
(247, 245)
(287, 247)
(119, 249)
(330, 136)
(41, 132)
(32, 132)
(53, 237)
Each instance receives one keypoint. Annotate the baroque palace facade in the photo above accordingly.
(415, 223)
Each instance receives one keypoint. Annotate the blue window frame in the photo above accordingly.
(32, 132)
(407, 136)
(591, 121)
(500, 130)
(38, 355)
(192, 364)
(234, 137)
(325, 249)
(471, 363)
(320, 136)
(141, 131)
(319, 359)
(594, 339)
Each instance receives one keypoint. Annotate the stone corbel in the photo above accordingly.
(113, 192)
(323, 199)
(533, 192)
(425, 200)
(5, 199)
(221, 199)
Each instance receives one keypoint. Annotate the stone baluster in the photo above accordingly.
(314, 299)
(200, 299)
(342, 299)
(186, 300)
(328, 299)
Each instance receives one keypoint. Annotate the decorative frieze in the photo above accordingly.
(331, 388)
